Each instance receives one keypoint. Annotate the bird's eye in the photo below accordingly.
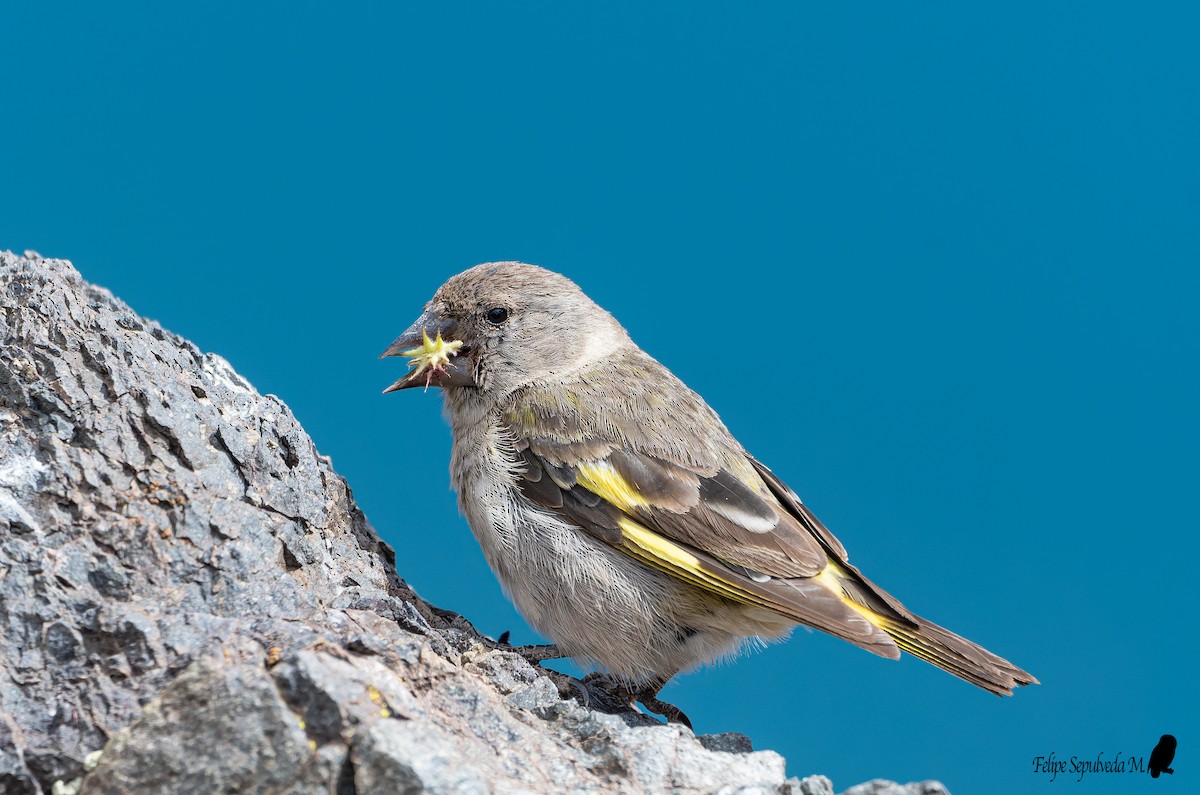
(497, 315)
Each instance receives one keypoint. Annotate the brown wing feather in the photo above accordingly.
(719, 515)
(593, 515)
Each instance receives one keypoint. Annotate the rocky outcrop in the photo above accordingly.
(190, 601)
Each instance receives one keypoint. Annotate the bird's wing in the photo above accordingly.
(671, 466)
(590, 497)
(704, 515)
(718, 515)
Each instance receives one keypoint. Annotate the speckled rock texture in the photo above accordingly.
(187, 588)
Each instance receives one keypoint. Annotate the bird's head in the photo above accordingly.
(502, 325)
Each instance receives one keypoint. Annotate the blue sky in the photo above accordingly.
(965, 241)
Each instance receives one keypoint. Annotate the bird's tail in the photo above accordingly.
(924, 639)
(956, 655)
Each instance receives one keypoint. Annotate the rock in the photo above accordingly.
(191, 601)
(220, 726)
(883, 787)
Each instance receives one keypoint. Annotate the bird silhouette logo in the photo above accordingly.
(1162, 756)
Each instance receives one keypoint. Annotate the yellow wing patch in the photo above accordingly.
(674, 559)
(667, 556)
(601, 479)
(677, 560)
(828, 579)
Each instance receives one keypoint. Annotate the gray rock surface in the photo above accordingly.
(187, 586)
(883, 787)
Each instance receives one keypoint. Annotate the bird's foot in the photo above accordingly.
(537, 653)
(596, 690)
(600, 692)
(672, 713)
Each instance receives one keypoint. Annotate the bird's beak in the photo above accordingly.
(455, 372)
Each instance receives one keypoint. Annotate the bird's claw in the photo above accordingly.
(607, 695)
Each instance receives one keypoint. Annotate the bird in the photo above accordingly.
(1162, 756)
(619, 514)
